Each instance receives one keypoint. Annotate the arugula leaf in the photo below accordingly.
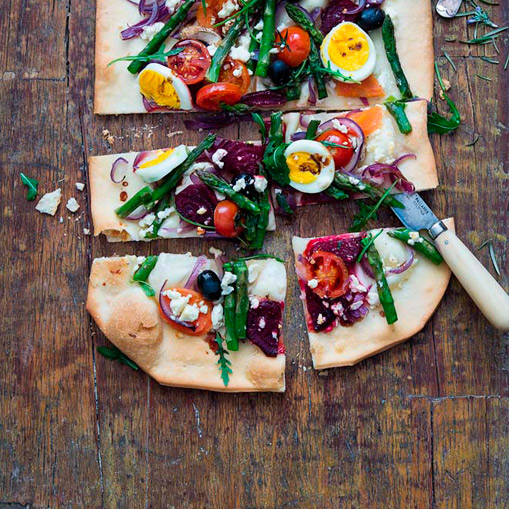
(235, 108)
(158, 55)
(274, 160)
(258, 119)
(283, 203)
(32, 185)
(366, 242)
(439, 124)
(223, 362)
(311, 130)
(114, 354)
(260, 256)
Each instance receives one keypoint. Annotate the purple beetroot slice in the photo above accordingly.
(195, 198)
(321, 317)
(240, 157)
(264, 326)
(334, 14)
(347, 246)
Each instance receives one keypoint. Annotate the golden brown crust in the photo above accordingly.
(131, 321)
(416, 300)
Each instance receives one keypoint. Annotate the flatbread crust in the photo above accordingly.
(415, 302)
(117, 92)
(388, 143)
(131, 321)
(105, 198)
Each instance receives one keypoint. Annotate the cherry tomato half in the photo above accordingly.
(224, 219)
(234, 71)
(295, 46)
(192, 63)
(330, 272)
(201, 325)
(341, 155)
(211, 96)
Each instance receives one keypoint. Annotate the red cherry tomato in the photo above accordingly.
(211, 96)
(224, 219)
(330, 272)
(295, 46)
(201, 325)
(192, 63)
(341, 155)
(234, 71)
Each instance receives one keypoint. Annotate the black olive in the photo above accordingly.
(249, 190)
(371, 18)
(209, 285)
(279, 72)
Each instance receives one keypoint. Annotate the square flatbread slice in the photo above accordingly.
(117, 90)
(131, 321)
(417, 292)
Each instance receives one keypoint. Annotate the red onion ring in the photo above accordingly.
(191, 280)
(405, 265)
(151, 106)
(115, 167)
(311, 87)
(164, 305)
(185, 227)
(356, 10)
(298, 136)
(378, 172)
(140, 158)
(138, 213)
(364, 101)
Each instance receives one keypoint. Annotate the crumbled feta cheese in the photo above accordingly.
(337, 309)
(259, 36)
(178, 301)
(72, 205)
(259, 25)
(80, 186)
(211, 48)
(250, 72)
(414, 237)
(228, 8)
(147, 220)
(254, 302)
(163, 214)
(218, 155)
(171, 4)
(214, 251)
(273, 51)
(321, 319)
(355, 285)
(49, 203)
(150, 31)
(373, 299)
(200, 166)
(353, 180)
(253, 272)
(190, 313)
(228, 279)
(313, 283)
(239, 185)
(204, 309)
(217, 316)
(201, 211)
(260, 183)
(145, 231)
(339, 126)
(240, 53)
(261, 323)
(237, 72)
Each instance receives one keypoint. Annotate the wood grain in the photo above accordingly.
(421, 425)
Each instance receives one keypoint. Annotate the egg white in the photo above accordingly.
(158, 171)
(181, 89)
(358, 75)
(325, 177)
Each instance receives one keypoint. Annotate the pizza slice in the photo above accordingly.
(214, 190)
(211, 55)
(366, 292)
(195, 322)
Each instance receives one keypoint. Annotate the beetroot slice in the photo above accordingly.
(264, 326)
(347, 246)
(321, 317)
(334, 14)
(241, 157)
(195, 198)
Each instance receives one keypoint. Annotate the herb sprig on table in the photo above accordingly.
(31, 184)
(114, 354)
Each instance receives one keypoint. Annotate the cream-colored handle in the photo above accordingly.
(482, 287)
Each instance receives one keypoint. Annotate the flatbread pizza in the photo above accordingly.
(366, 292)
(210, 55)
(195, 322)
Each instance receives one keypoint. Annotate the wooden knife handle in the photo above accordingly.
(482, 287)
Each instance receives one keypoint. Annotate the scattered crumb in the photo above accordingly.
(447, 85)
(200, 231)
(86, 231)
(214, 251)
(61, 220)
(323, 373)
(174, 133)
(49, 203)
(80, 186)
(107, 136)
(72, 205)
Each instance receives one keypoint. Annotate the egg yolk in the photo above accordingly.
(348, 48)
(161, 156)
(304, 167)
(159, 88)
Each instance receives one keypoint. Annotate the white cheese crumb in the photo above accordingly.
(80, 186)
(240, 53)
(214, 251)
(237, 72)
(262, 323)
(320, 319)
(273, 51)
(150, 31)
(259, 25)
(339, 126)
(355, 285)
(228, 8)
(239, 185)
(190, 313)
(228, 279)
(217, 316)
(49, 203)
(260, 183)
(211, 48)
(201, 211)
(254, 302)
(163, 214)
(72, 205)
(204, 309)
(313, 283)
(147, 220)
(218, 156)
(414, 237)
(353, 180)
(171, 4)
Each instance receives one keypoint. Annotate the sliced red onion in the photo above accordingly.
(351, 126)
(185, 227)
(119, 168)
(165, 307)
(140, 158)
(263, 98)
(158, 13)
(356, 10)
(220, 261)
(405, 265)
(151, 106)
(315, 13)
(365, 279)
(378, 172)
(311, 87)
(366, 267)
(201, 261)
(138, 213)
(214, 235)
(298, 136)
(364, 101)
(300, 269)
(374, 2)
(306, 12)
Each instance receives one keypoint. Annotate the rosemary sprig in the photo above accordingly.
(489, 243)
(223, 363)
(473, 142)
(449, 59)
(490, 60)
(485, 78)
(486, 38)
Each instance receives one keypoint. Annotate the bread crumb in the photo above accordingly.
(80, 186)
(86, 231)
(323, 373)
(107, 136)
(72, 205)
(49, 203)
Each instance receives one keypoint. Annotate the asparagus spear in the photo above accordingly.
(156, 225)
(222, 186)
(241, 298)
(336, 193)
(425, 246)
(384, 292)
(229, 315)
(268, 36)
(141, 275)
(142, 197)
(315, 66)
(397, 110)
(223, 49)
(300, 18)
(156, 42)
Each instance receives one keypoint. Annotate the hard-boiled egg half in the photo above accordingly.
(163, 162)
(349, 50)
(164, 87)
(311, 166)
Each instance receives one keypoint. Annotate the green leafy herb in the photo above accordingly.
(283, 203)
(258, 119)
(439, 124)
(337, 74)
(160, 55)
(32, 185)
(449, 59)
(491, 250)
(335, 145)
(274, 160)
(114, 354)
(311, 130)
(223, 362)
(246, 7)
(366, 242)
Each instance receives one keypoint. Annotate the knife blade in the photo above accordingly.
(448, 8)
(482, 287)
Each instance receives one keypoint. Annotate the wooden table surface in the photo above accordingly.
(423, 424)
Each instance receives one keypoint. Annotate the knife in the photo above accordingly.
(448, 8)
(482, 287)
